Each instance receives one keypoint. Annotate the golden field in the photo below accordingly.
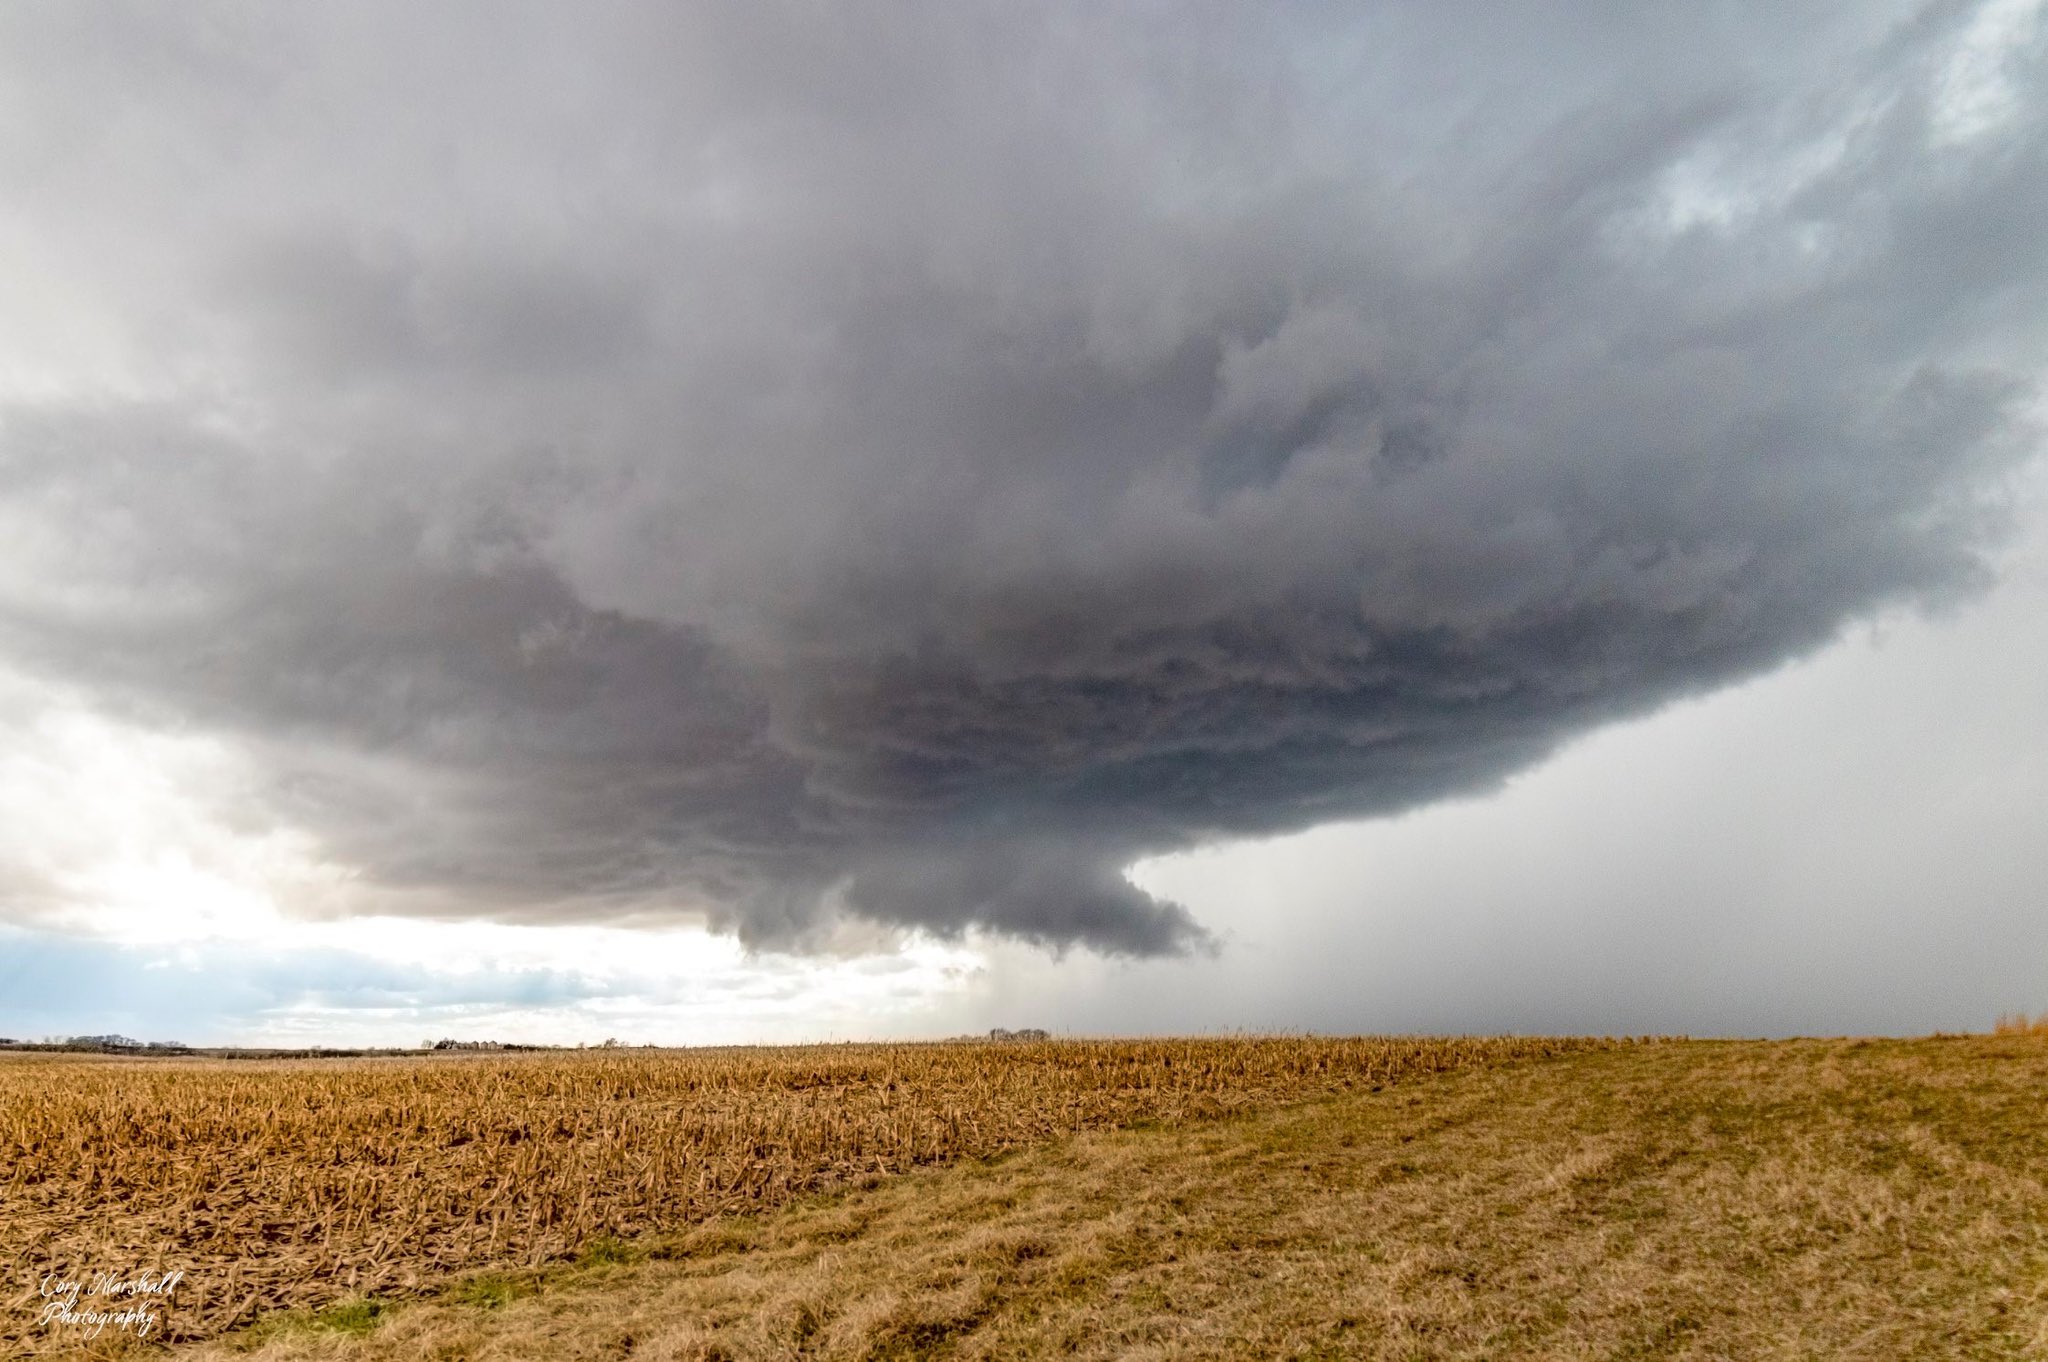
(299, 1183)
(1780, 1201)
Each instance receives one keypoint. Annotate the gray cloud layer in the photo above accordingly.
(780, 464)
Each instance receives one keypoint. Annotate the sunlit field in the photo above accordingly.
(301, 1183)
(1786, 1200)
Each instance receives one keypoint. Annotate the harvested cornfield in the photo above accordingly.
(288, 1183)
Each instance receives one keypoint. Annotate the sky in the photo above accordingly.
(768, 522)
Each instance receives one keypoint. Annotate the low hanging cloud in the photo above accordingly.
(792, 471)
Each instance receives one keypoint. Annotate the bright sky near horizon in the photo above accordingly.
(724, 524)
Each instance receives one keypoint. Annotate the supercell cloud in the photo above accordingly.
(796, 468)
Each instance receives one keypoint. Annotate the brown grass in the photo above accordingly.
(301, 1183)
(1786, 1200)
(2016, 1024)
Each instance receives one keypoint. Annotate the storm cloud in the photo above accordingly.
(792, 467)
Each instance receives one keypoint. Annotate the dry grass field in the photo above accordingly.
(1883, 1201)
(273, 1184)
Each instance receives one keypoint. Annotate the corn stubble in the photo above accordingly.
(297, 1183)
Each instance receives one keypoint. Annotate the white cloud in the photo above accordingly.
(1974, 92)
